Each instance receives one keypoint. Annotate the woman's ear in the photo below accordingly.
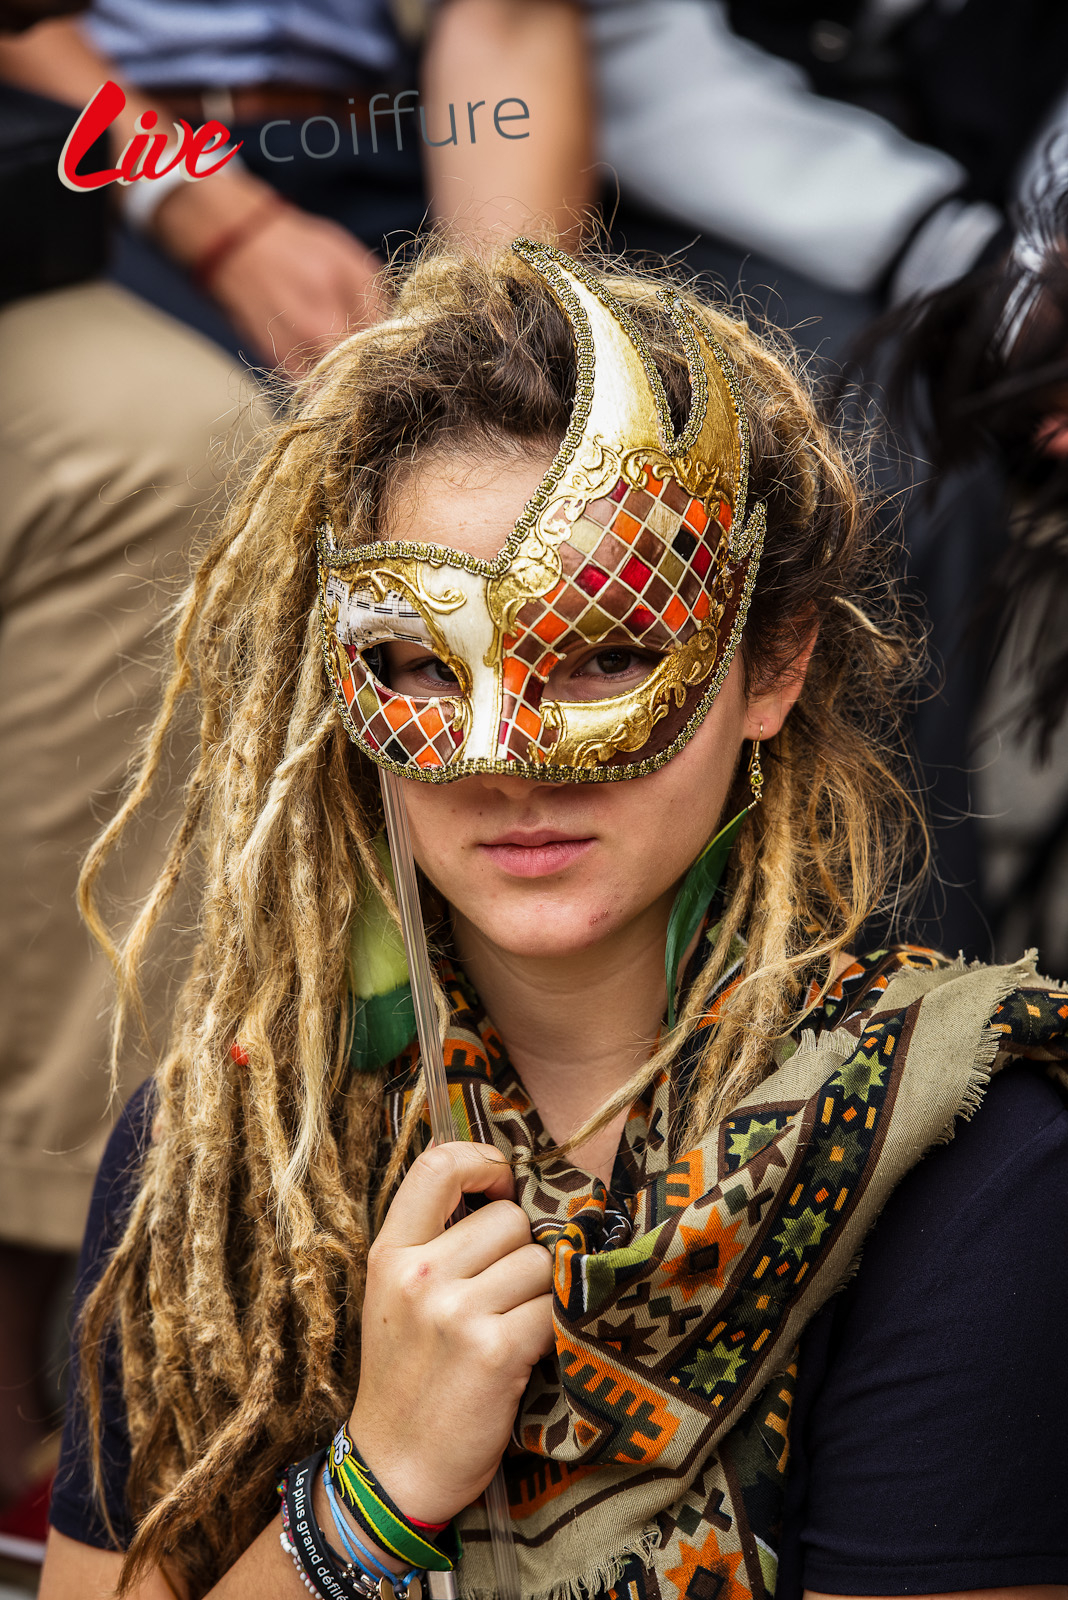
(767, 710)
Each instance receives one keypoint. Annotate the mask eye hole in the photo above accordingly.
(412, 670)
(375, 664)
(600, 673)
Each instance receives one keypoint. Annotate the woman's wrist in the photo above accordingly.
(414, 1527)
(415, 1491)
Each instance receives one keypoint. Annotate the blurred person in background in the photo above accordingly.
(846, 152)
(110, 419)
(978, 374)
(278, 255)
(839, 157)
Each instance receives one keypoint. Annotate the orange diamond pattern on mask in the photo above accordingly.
(635, 567)
(399, 726)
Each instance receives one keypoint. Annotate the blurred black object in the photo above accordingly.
(53, 236)
(974, 79)
(18, 15)
(978, 373)
(975, 379)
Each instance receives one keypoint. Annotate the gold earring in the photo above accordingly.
(756, 772)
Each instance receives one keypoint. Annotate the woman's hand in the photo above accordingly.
(453, 1322)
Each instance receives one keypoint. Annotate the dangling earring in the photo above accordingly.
(756, 772)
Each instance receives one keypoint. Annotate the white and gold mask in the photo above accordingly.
(634, 535)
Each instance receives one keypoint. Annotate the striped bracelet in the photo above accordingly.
(380, 1519)
(358, 1554)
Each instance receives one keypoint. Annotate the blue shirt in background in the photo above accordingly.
(231, 44)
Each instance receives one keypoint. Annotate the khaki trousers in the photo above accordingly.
(113, 428)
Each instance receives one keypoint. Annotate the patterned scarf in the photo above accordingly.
(642, 1465)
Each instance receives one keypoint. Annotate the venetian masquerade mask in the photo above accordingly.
(635, 542)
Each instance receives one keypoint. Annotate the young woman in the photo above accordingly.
(575, 556)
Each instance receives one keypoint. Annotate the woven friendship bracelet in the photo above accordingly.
(380, 1519)
(359, 1556)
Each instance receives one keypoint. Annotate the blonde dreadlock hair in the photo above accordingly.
(236, 1289)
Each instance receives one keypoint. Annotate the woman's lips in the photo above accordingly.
(536, 854)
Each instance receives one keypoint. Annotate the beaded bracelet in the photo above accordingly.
(380, 1519)
(299, 1525)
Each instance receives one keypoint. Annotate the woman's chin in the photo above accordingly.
(555, 935)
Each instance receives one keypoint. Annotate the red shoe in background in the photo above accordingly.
(24, 1523)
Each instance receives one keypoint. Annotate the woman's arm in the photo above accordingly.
(454, 1320)
(71, 1569)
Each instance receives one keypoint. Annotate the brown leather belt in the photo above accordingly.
(262, 102)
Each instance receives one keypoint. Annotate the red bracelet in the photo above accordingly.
(207, 264)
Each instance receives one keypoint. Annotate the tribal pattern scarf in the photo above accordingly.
(641, 1467)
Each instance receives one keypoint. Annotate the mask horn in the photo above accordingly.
(626, 408)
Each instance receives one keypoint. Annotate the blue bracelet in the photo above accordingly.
(356, 1552)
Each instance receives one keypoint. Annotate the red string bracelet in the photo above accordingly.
(207, 264)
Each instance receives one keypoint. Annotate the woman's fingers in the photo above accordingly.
(434, 1186)
(530, 1328)
(525, 1275)
(453, 1321)
(478, 1240)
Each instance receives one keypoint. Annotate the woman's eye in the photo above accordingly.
(612, 663)
(417, 674)
(435, 670)
(601, 674)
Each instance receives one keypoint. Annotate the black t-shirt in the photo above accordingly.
(928, 1434)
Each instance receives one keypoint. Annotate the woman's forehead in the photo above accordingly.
(463, 501)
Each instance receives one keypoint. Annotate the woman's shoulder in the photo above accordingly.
(119, 1172)
(1010, 1151)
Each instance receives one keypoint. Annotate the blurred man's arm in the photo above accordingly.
(532, 173)
(291, 284)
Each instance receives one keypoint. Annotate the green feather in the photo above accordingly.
(692, 901)
(383, 1017)
(380, 1028)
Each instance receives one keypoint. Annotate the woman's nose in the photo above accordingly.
(511, 785)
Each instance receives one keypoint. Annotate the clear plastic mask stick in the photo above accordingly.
(437, 1093)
